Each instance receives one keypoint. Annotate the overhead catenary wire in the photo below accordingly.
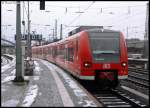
(124, 19)
(91, 8)
(81, 13)
(121, 18)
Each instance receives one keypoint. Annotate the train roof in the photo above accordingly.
(90, 29)
(101, 30)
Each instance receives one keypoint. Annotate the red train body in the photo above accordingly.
(93, 54)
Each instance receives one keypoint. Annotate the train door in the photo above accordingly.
(77, 64)
(41, 52)
(70, 58)
(54, 53)
(66, 54)
(44, 53)
(49, 53)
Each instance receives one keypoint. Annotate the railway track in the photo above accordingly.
(115, 98)
(139, 78)
(139, 70)
(112, 97)
(140, 82)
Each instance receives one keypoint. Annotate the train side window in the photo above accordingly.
(36, 51)
(66, 54)
(49, 50)
(77, 45)
(44, 52)
(70, 54)
(63, 53)
(53, 52)
(41, 51)
(56, 53)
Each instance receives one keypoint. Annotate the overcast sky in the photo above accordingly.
(119, 15)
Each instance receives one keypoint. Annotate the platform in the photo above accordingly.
(49, 86)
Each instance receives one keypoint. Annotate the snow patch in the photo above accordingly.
(4, 61)
(13, 72)
(40, 94)
(4, 88)
(5, 67)
(30, 96)
(89, 103)
(79, 93)
(36, 77)
(9, 78)
(10, 103)
(37, 68)
(9, 65)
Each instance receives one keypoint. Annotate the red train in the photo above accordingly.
(89, 53)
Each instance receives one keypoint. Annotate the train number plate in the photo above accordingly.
(106, 66)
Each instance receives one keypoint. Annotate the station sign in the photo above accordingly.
(33, 37)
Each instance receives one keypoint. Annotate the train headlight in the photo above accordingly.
(124, 64)
(87, 64)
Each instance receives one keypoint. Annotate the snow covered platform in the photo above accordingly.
(49, 86)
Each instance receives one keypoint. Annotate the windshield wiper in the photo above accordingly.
(106, 52)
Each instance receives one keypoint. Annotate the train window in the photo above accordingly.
(44, 51)
(65, 54)
(70, 54)
(49, 50)
(41, 51)
(77, 45)
(35, 51)
(61, 53)
(105, 47)
(54, 52)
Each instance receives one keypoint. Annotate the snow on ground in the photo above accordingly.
(37, 68)
(76, 89)
(5, 67)
(13, 72)
(9, 78)
(10, 64)
(31, 92)
(33, 89)
(3, 61)
(30, 96)
(10, 103)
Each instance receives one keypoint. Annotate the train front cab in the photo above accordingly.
(106, 57)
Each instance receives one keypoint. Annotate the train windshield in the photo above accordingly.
(105, 47)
